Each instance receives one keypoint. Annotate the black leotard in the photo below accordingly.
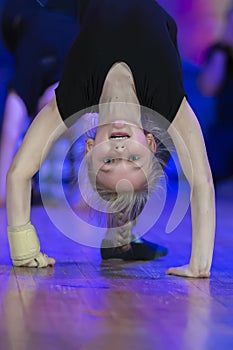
(137, 32)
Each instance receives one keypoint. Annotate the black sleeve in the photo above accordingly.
(172, 28)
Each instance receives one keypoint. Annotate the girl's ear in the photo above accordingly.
(89, 146)
(151, 142)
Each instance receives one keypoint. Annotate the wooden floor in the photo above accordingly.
(84, 303)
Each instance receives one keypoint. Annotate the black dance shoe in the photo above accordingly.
(139, 250)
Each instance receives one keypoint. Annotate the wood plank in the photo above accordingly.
(85, 303)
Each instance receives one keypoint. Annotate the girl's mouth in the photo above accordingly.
(119, 136)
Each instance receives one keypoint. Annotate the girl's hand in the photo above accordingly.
(187, 271)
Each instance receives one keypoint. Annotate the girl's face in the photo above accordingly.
(121, 156)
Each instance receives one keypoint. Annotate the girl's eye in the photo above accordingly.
(133, 158)
(108, 161)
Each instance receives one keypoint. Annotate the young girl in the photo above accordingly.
(125, 57)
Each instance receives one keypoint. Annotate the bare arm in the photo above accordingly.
(44, 131)
(186, 133)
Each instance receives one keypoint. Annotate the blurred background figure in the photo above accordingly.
(39, 35)
(216, 80)
(6, 69)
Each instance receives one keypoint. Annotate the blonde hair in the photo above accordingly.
(131, 203)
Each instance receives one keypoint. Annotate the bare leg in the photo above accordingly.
(13, 123)
(121, 234)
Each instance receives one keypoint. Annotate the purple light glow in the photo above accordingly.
(199, 24)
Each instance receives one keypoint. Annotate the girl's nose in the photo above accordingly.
(119, 147)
